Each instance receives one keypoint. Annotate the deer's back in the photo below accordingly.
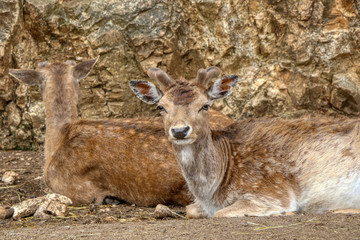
(131, 158)
(308, 155)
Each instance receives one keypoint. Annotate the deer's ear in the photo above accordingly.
(83, 69)
(145, 91)
(29, 77)
(222, 87)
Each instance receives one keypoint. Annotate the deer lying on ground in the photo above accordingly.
(255, 167)
(89, 160)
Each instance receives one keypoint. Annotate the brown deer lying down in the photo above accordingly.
(88, 160)
(255, 167)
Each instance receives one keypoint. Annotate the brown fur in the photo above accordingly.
(97, 158)
(88, 160)
(263, 167)
(185, 91)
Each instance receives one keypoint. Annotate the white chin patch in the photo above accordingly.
(187, 155)
(182, 141)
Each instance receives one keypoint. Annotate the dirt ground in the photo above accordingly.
(127, 221)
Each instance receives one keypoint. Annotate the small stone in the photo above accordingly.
(61, 198)
(38, 178)
(105, 210)
(51, 204)
(109, 219)
(27, 207)
(9, 177)
(52, 208)
(162, 211)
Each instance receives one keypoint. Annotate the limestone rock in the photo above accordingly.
(51, 208)
(292, 56)
(345, 95)
(9, 177)
(60, 198)
(27, 207)
(14, 115)
(51, 204)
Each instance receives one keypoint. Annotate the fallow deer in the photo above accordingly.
(88, 160)
(256, 167)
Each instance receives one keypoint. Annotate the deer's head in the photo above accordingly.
(54, 75)
(184, 104)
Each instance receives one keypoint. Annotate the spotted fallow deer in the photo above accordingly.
(255, 167)
(89, 160)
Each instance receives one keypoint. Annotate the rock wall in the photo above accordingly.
(293, 57)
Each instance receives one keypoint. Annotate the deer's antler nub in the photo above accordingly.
(164, 80)
(204, 76)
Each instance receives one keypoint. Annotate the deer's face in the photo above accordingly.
(184, 104)
(184, 109)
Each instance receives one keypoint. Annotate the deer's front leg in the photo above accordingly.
(347, 211)
(255, 206)
(195, 211)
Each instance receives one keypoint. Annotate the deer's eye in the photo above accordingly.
(205, 107)
(161, 108)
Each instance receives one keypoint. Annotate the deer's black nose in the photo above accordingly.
(180, 133)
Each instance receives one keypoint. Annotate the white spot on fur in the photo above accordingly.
(183, 141)
(187, 155)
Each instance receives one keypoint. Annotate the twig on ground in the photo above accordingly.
(12, 186)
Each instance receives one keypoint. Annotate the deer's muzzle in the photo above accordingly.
(180, 132)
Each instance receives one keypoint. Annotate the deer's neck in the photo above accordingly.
(60, 109)
(205, 165)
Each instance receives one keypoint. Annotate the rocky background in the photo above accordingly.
(293, 56)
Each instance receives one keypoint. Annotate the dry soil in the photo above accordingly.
(128, 221)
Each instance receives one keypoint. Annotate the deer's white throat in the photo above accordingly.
(187, 155)
(201, 183)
